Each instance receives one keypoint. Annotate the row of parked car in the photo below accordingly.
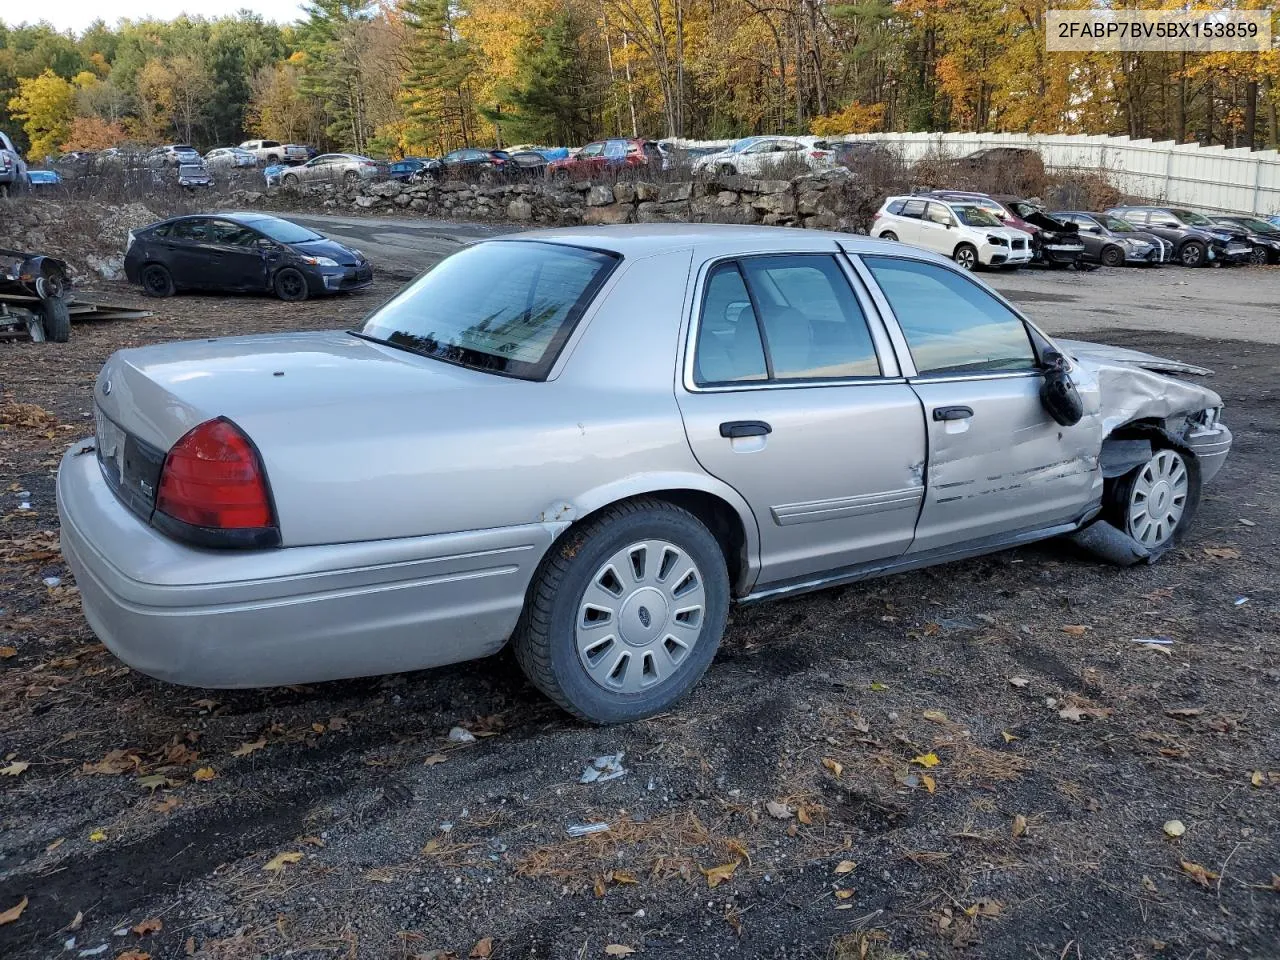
(979, 230)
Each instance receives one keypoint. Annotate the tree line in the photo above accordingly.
(405, 77)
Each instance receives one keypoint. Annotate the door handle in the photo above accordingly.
(952, 413)
(745, 428)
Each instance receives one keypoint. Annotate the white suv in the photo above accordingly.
(965, 232)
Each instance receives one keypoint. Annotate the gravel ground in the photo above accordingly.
(792, 807)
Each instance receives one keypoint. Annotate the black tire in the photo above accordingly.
(55, 317)
(290, 285)
(350, 177)
(1112, 256)
(544, 640)
(888, 235)
(157, 281)
(1258, 256)
(1119, 490)
(966, 256)
(289, 180)
(727, 170)
(1192, 254)
(272, 158)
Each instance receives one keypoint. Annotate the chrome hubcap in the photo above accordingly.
(1158, 499)
(640, 616)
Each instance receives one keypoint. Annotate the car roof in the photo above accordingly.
(649, 239)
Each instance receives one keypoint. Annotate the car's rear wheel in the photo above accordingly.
(1112, 257)
(1192, 254)
(157, 281)
(289, 180)
(966, 256)
(350, 177)
(727, 170)
(290, 285)
(1258, 256)
(625, 612)
(55, 317)
(1155, 502)
(888, 235)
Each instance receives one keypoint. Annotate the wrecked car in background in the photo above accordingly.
(33, 291)
(1053, 242)
(1114, 242)
(477, 464)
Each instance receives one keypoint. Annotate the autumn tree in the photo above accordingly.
(46, 106)
(437, 90)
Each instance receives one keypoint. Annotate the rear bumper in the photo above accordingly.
(289, 615)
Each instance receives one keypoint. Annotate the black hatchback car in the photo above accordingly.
(241, 252)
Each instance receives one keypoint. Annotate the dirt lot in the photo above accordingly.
(883, 771)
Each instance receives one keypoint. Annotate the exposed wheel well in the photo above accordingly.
(716, 514)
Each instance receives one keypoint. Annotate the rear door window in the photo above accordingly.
(952, 325)
(729, 348)
(195, 230)
(913, 209)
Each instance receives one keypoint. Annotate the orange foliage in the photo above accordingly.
(93, 133)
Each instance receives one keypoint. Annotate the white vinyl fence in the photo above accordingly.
(1189, 175)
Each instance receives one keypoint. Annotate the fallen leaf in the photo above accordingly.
(1197, 873)
(834, 766)
(114, 763)
(1077, 714)
(13, 913)
(55, 845)
(1008, 737)
(845, 866)
(97, 836)
(1018, 682)
(190, 947)
(935, 716)
(779, 811)
(1222, 553)
(318, 727)
(1185, 712)
(618, 950)
(247, 748)
(15, 768)
(844, 894)
(204, 775)
(1019, 828)
(1175, 828)
(622, 877)
(1258, 779)
(435, 758)
(133, 955)
(929, 783)
(718, 875)
(277, 863)
(154, 781)
(76, 922)
(985, 908)
(482, 949)
(879, 687)
(926, 760)
(205, 704)
(150, 925)
(7, 652)
(803, 816)
(170, 803)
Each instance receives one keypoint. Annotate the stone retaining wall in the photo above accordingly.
(830, 201)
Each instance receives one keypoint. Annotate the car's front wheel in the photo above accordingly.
(1112, 256)
(1192, 254)
(290, 285)
(888, 235)
(289, 180)
(1155, 502)
(625, 612)
(966, 257)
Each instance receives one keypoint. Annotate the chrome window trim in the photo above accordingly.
(887, 361)
(969, 377)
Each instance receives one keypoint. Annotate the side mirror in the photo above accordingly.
(1058, 395)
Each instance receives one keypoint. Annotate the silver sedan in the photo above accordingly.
(347, 168)
(588, 443)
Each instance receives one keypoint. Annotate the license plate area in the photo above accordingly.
(109, 440)
(131, 467)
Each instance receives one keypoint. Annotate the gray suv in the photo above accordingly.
(1197, 240)
(13, 169)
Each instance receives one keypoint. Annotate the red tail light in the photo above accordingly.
(213, 479)
(819, 154)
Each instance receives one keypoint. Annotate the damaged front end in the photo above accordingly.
(1142, 407)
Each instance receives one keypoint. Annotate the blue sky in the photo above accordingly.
(78, 14)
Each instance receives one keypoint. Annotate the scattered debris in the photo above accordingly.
(280, 860)
(601, 769)
(718, 875)
(13, 913)
(1175, 828)
(779, 811)
(461, 735)
(585, 829)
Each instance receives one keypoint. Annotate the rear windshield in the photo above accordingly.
(190, 170)
(505, 306)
